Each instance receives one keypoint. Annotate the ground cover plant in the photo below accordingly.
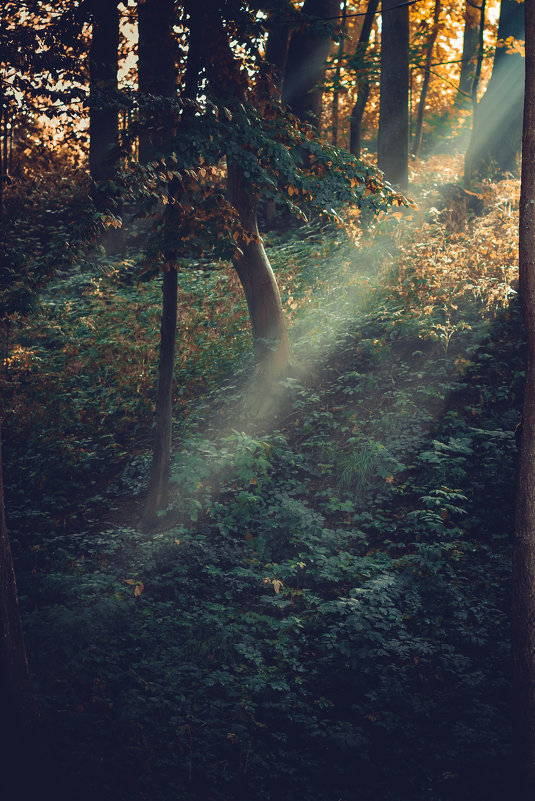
(323, 610)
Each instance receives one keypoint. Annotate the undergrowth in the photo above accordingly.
(323, 613)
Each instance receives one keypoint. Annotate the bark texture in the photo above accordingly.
(393, 141)
(523, 600)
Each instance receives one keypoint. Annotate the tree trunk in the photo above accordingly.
(523, 600)
(425, 83)
(336, 88)
(497, 129)
(393, 141)
(104, 112)
(305, 65)
(104, 115)
(270, 337)
(357, 112)
(468, 59)
(158, 492)
(157, 82)
(156, 75)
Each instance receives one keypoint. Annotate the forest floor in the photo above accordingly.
(323, 612)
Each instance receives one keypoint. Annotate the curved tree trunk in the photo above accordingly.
(425, 84)
(523, 585)
(357, 112)
(270, 337)
(393, 140)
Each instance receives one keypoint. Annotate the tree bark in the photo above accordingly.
(104, 114)
(468, 59)
(393, 140)
(157, 84)
(270, 337)
(523, 593)
(336, 88)
(156, 75)
(425, 84)
(497, 129)
(357, 112)
(305, 66)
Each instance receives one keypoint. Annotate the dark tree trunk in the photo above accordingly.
(158, 492)
(337, 72)
(157, 86)
(357, 112)
(472, 18)
(425, 83)
(497, 129)
(104, 112)
(305, 66)
(104, 115)
(156, 75)
(393, 141)
(523, 601)
(277, 50)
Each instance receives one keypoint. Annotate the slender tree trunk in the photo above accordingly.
(425, 83)
(393, 141)
(470, 155)
(305, 66)
(523, 601)
(357, 112)
(104, 112)
(157, 82)
(472, 17)
(156, 75)
(104, 115)
(158, 492)
(338, 70)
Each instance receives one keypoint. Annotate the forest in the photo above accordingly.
(267, 400)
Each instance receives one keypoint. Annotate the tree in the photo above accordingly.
(305, 65)
(425, 83)
(472, 19)
(523, 592)
(497, 128)
(359, 62)
(157, 87)
(393, 141)
(103, 92)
